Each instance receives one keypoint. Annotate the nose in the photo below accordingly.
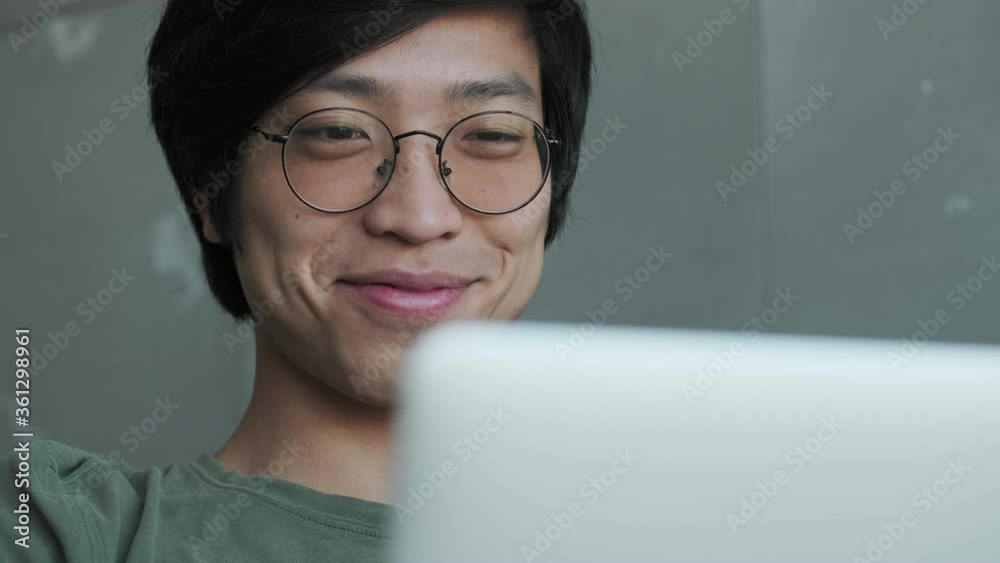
(415, 206)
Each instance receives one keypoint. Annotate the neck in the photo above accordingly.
(299, 429)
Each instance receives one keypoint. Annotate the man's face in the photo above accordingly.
(347, 288)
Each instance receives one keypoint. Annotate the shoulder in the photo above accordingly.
(65, 499)
(54, 467)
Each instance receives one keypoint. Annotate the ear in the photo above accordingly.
(208, 229)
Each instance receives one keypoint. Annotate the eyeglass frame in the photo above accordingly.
(548, 135)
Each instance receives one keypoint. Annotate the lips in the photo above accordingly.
(410, 281)
(408, 294)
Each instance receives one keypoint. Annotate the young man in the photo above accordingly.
(356, 171)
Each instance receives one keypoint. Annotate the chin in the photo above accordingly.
(387, 399)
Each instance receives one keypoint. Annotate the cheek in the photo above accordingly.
(520, 236)
(272, 237)
(526, 226)
(525, 232)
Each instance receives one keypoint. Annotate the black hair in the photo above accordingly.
(215, 66)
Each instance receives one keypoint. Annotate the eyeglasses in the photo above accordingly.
(340, 159)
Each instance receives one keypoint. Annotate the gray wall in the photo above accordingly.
(654, 185)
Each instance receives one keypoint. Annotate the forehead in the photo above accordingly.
(465, 56)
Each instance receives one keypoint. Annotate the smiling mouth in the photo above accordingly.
(403, 294)
(408, 302)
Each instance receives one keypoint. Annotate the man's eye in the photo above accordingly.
(336, 133)
(493, 137)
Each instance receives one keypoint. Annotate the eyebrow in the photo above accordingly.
(358, 86)
(511, 85)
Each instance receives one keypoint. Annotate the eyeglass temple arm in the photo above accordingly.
(270, 136)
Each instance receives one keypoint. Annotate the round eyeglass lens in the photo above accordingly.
(338, 159)
(495, 162)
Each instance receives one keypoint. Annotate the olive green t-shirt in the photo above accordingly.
(83, 508)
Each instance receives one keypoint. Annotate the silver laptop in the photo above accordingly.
(546, 442)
